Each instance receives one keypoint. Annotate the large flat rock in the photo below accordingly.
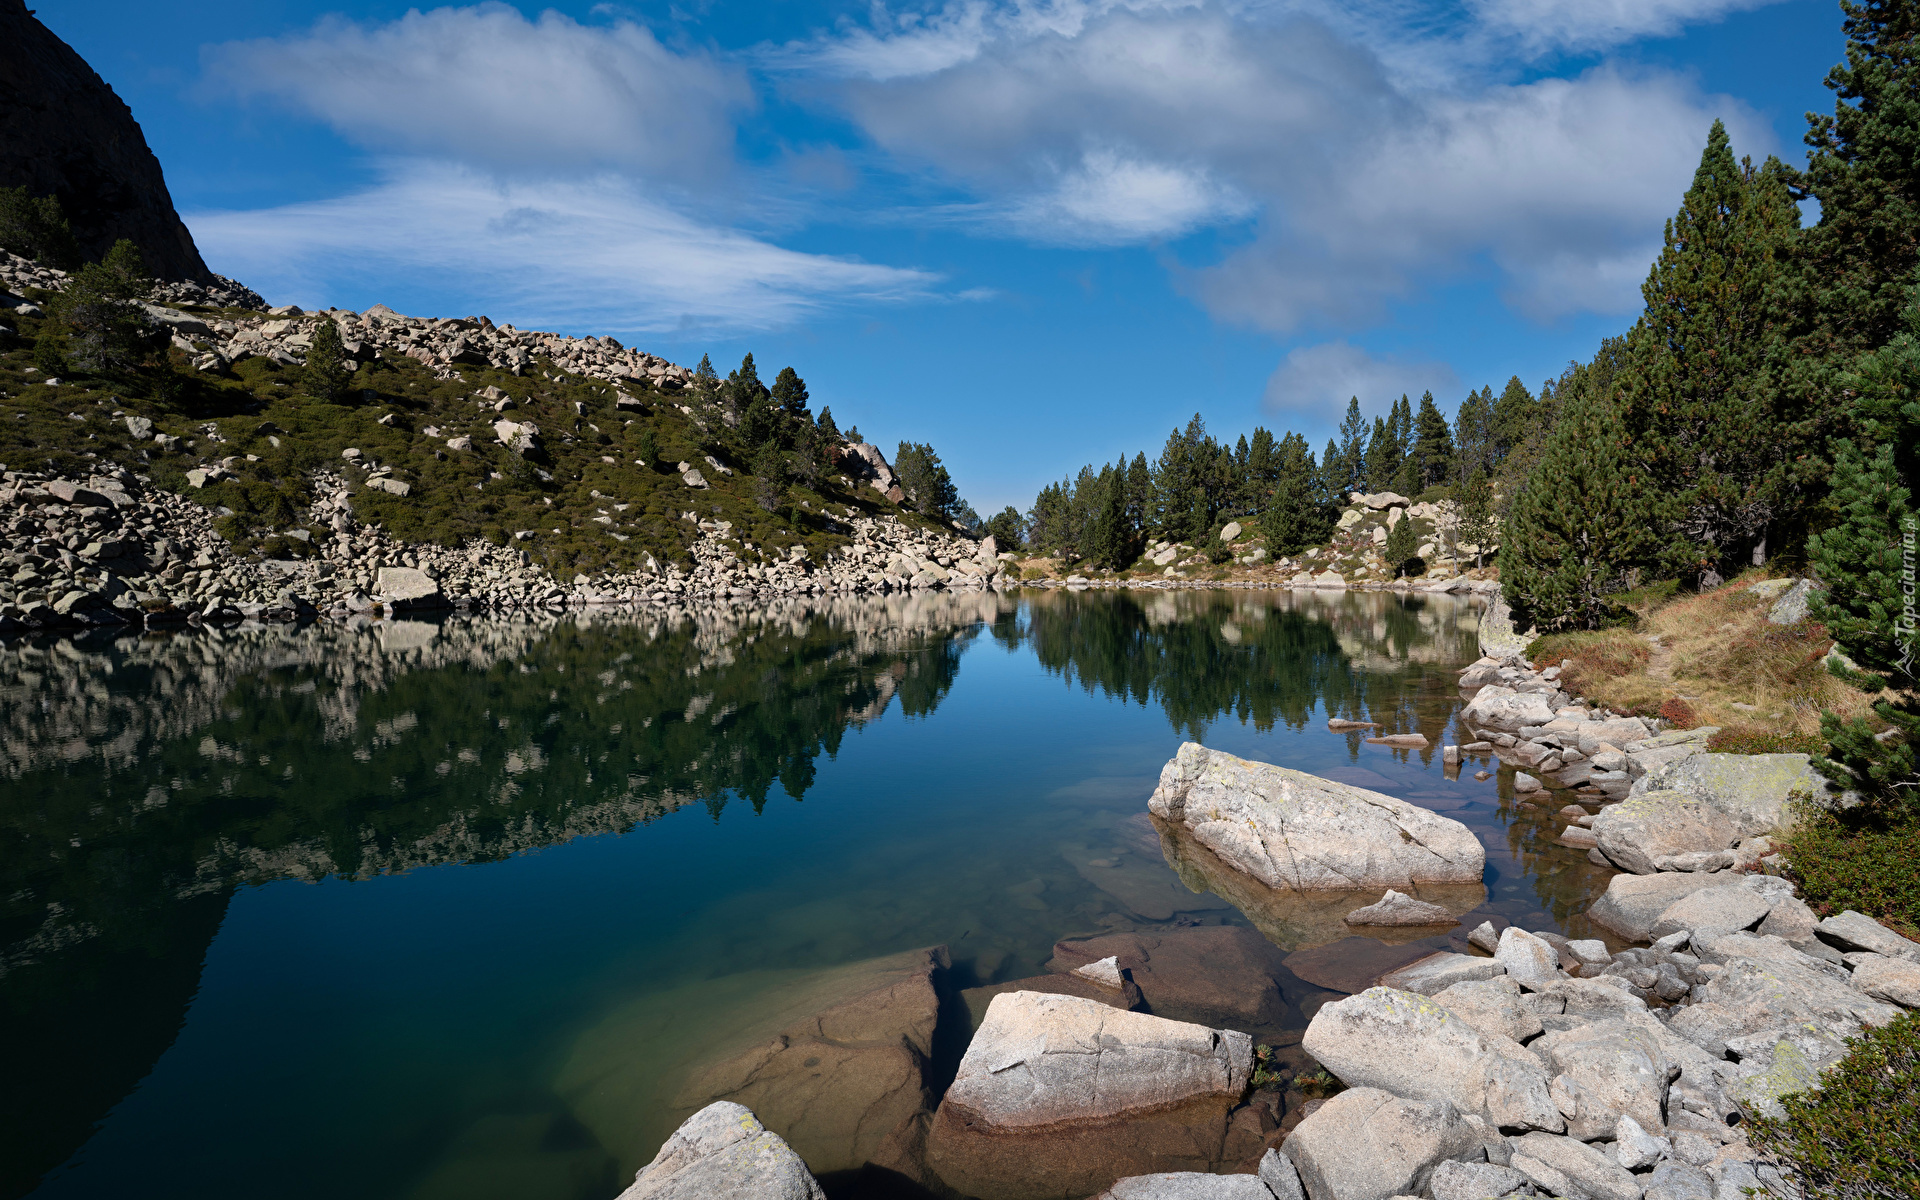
(1294, 919)
(1366, 1144)
(1414, 1047)
(1289, 829)
(1062, 1096)
(1704, 801)
(1633, 903)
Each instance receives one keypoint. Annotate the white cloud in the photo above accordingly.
(595, 252)
(1541, 25)
(1318, 380)
(1110, 196)
(484, 85)
(1371, 182)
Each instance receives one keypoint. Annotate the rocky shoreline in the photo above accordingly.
(1516, 1063)
(113, 550)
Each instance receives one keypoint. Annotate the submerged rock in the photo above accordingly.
(723, 1153)
(1207, 974)
(1059, 1095)
(1395, 908)
(834, 1061)
(1289, 829)
(1188, 1185)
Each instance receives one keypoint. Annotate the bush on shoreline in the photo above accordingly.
(1842, 861)
(1859, 1134)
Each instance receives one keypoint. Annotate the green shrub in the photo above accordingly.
(1842, 861)
(1859, 1134)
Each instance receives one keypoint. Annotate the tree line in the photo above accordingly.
(1765, 407)
(1198, 484)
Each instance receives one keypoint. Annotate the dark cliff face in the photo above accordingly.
(64, 132)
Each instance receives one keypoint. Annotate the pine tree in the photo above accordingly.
(761, 423)
(928, 486)
(1400, 547)
(1515, 415)
(1008, 529)
(1478, 527)
(705, 378)
(1113, 542)
(646, 447)
(100, 329)
(1139, 493)
(1383, 457)
(1433, 446)
(1348, 472)
(1294, 517)
(1865, 562)
(828, 429)
(770, 478)
(36, 228)
(790, 393)
(1477, 446)
(326, 375)
(1579, 526)
(1846, 290)
(1697, 387)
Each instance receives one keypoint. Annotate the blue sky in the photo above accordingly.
(1034, 234)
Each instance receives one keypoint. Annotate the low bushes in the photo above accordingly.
(1859, 1134)
(1842, 861)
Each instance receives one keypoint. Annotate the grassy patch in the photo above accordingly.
(1842, 862)
(1758, 739)
(1858, 1134)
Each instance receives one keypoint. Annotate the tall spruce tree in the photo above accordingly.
(1578, 529)
(1473, 432)
(1348, 472)
(1113, 537)
(1383, 456)
(1697, 388)
(1400, 547)
(1478, 527)
(1433, 450)
(1406, 473)
(1293, 518)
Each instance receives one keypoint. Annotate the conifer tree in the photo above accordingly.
(1400, 547)
(1348, 472)
(1383, 457)
(1139, 493)
(1579, 526)
(1865, 562)
(99, 326)
(1008, 529)
(790, 393)
(1477, 524)
(1113, 539)
(928, 486)
(1433, 451)
(326, 375)
(1515, 415)
(36, 227)
(828, 429)
(1476, 445)
(1697, 391)
(1294, 517)
(646, 446)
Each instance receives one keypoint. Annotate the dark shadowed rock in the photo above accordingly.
(1127, 996)
(64, 132)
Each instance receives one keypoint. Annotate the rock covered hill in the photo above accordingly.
(470, 463)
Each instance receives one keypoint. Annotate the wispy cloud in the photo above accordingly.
(1318, 380)
(596, 253)
(486, 86)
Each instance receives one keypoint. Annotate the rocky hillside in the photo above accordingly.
(64, 133)
(467, 462)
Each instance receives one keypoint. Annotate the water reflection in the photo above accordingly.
(147, 781)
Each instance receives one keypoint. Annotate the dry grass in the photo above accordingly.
(1693, 657)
